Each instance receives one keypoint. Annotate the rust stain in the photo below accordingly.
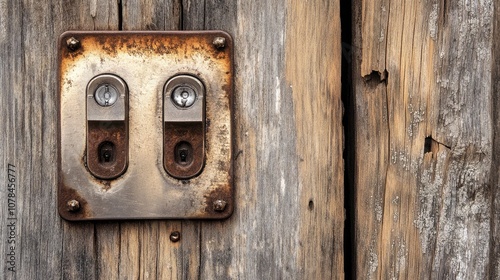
(146, 44)
(99, 133)
(221, 192)
(66, 194)
(175, 134)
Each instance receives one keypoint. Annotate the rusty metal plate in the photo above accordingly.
(145, 61)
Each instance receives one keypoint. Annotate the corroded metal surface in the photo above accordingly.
(184, 129)
(145, 61)
(98, 135)
(179, 133)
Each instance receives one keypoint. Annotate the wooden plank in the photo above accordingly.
(376, 13)
(495, 180)
(107, 240)
(313, 73)
(179, 260)
(151, 15)
(14, 142)
(45, 247)
(424, 139)
(288, 221)
(193, 15)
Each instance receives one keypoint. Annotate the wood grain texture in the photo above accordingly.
(313, 74)
(151, 15)
(193, 15)
(288, 221)
(423, 95)
(107, 240)
(288, 174)
(46, 248)
(495, 166)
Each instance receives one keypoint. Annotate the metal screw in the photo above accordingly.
(175, 236)
(219, 42)
(73, 205)
(106, 95)
(184, 96)
(73, 44)
(219, 205)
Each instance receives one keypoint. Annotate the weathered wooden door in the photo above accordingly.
(288, 168)
(369, 153)
(426, 139)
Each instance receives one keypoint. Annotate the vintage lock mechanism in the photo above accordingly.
(145, 125)
(107, 126)
(184, 126)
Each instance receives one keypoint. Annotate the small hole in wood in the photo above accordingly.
(311, 205)
(428, 145)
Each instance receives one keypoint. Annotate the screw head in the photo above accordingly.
(175, 236)
(220, 205)
(73, 44)
(219, 42)
(106, 95)
(183, 96)
(73, 205)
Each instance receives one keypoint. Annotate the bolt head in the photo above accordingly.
(175, 236)
(73, 44)
(184, 96)
(73, 205)
(219, 42)
(220, 205)
(106, 95)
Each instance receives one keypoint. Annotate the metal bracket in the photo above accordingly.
(169, 94)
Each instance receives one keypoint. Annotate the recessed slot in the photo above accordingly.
(107, 154)
(183, 153)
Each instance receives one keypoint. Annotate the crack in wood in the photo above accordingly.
(431, 145)
(120, 15)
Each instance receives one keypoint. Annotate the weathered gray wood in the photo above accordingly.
(288, 221)
(46, 248)
(424, 99)
(152, 14)
(107, 240)
(495, 166)
(193, 15)
(288, 171)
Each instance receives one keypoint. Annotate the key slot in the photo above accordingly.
(107, 126)
(184, 127)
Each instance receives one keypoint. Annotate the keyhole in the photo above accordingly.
(106, 152)
(107, 156)
(183, 153)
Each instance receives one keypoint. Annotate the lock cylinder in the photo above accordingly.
(107, 126)
(184, 126)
